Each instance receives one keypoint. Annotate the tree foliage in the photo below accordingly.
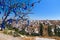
(57, 31)
(49, 30)
(41, 29)
(20, 8)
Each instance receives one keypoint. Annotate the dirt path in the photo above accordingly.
(9, 37)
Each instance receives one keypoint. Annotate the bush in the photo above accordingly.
(5, 31)
(10, 33)
(16, 34)
(9, 26)
(34, 34)
(22, 32)
(16, 29)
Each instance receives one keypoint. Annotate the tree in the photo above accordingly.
(41, 29)
(20, 8)
(50, 30)
(57, 31)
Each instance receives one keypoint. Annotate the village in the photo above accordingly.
(43, 28)
(40, 27)
(29, 20)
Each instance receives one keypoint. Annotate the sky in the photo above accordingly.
(46, 9)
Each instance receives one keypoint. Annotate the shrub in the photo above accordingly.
(5, 31)
(9, 26)
(22, 32)
(16, 34)
(16, 29)
(34, 34)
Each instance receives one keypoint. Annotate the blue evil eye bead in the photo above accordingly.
(2, 7)
(27, 22)
(0, 4)
(5, 14)
(39, 1)
(16, 21)
(25, 7)
(32, 4)
(3, 25)
(14, 10)
(0, 12)
(9, 21)
(2, 18)
(15, 13)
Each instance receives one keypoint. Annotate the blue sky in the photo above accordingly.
(47, 9)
